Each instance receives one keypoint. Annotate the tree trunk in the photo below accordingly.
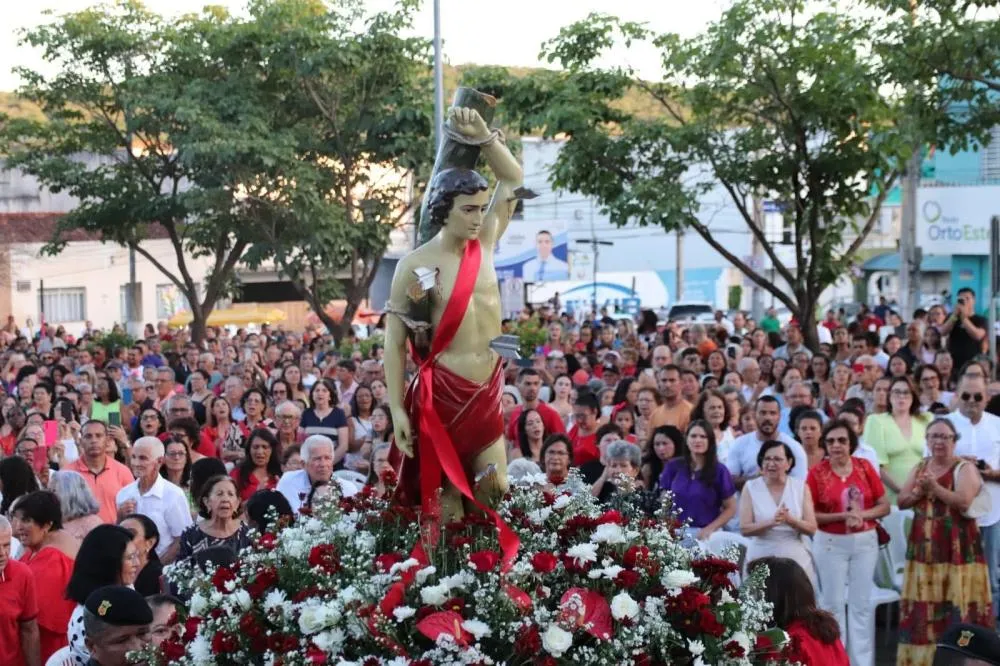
(807, 320)
(199, 322)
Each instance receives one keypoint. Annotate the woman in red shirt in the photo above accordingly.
(261, 467)
(814, 633)
(849, 496)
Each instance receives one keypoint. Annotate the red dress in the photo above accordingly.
(810, 651)
(51, 568)
(253, 484)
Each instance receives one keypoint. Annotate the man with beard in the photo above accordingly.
(742, 460)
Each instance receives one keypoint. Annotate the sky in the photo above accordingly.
(509, 32)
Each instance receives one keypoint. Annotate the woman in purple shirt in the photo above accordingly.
(703, 490)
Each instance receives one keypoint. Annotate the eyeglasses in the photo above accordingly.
(899, 393)
(770, 459)
(972, 397)
(837, 440)
(286, 417)
(941, 437)
(175, 454)
(556, 452)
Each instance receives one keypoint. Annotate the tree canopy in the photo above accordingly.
(771, 102)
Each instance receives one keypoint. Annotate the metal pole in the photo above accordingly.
(909, 272)
(131, 316)
(438, 78)
(41, 303)
(757, 253)
(679, 277)
(994, 295)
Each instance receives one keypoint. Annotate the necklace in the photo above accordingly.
(844, 472)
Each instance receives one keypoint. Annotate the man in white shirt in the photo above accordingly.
(545, 266)
(317, 460)
(152, 495)
(742, 459)
(979, 443)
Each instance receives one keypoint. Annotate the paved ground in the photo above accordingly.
(885, 646)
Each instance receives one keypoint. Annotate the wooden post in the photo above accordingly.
(453, 154)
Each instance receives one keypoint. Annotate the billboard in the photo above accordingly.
(956, 220)
(536, 252)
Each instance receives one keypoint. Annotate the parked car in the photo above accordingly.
(691, 311)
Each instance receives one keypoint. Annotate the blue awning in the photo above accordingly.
(889, 262)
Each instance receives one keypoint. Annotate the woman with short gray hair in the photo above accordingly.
(79, 507)
(623, 462)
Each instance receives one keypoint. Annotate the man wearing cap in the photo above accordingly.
(19, 639)
(116, 620)
(529, 383)
(968, 645)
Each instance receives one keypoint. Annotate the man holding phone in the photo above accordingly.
(965, 329)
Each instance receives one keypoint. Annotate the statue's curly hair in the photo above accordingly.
(447, 185)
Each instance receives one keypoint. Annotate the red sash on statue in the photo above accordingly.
(435, 452)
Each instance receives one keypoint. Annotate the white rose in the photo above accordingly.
(561, 502)
(424, 574)
(539, 516)
(434, 595)
(476, 628)
(583, 552)
(405, 565)
(696, 648)
(608, 533)
(312, 620)
(623, 606)
(403, 612)
(556, 640)
(198, 605)
(329, 641)
(242, 599)
(678, 578)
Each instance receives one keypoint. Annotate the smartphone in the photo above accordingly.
(66, 410)
(51, 429)
(114, 418)
(127, 396)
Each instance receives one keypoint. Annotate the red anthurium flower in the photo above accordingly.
(444, 622)
(588, 610)
(520, 598)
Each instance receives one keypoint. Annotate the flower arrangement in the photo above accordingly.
(589, 585)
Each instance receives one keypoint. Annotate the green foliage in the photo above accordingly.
(735, 297)
(364, 346)
(767, 102)
(110, 342)
(531, 335)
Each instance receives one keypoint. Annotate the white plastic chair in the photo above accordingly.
(897, 524)
(720, 543)
(60, 657)
(880, 597)
(352, 476)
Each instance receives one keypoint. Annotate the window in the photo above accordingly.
(64, 305)
(169, 301)
(991, 156)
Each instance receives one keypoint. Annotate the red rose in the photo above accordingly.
(635, 556)
(172, 649)
(529, 642)
(222, 576)
(548, 499)
(223, 643)
(263, 581)
(384, 562)
(191, 628)
(609, 517)
(314, 655)
(268, 541)
(325, 557)
(484, 560)
(544, 562)
(456, 604)
(641, 659)
(626, 579)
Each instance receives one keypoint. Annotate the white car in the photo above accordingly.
(691, 311)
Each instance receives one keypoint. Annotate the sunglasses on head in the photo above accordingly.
(972, 397)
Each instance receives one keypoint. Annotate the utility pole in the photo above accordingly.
(909, 267)
(679, 278)
(131, 314)
(438, 79)
(595, 245)
(757, 261)
(994, 295)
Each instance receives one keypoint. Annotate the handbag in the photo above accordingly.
(882, 534)
(981, 504)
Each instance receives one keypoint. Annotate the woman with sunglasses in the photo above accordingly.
(849, 497)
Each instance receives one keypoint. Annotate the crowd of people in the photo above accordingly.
(119, 461)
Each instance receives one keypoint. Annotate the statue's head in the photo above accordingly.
(457, 199)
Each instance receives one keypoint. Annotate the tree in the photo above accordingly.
(768, 103)
(126, 88)
(356, 103)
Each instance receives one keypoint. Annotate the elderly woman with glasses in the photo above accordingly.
(849, 497)
(946, 579)
(776, 511)
(288, 419)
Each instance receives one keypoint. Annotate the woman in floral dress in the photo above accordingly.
(946, 579)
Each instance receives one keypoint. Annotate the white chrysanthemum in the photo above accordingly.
(623, 606)
(459, 580)
(698, 661)
(609, 533)
(611, 571)
(198, 605)
(582, 552)
(556, 640)
(403, 612)
(315, 617)
(434, 595)
(404, 566)
(725, 597)
(678, 578)
(349, 594)
(274, 599)
(200, 650)
(329, 641)
(696, 648)
(476, 628)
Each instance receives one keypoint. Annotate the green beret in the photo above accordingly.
(119, 606)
